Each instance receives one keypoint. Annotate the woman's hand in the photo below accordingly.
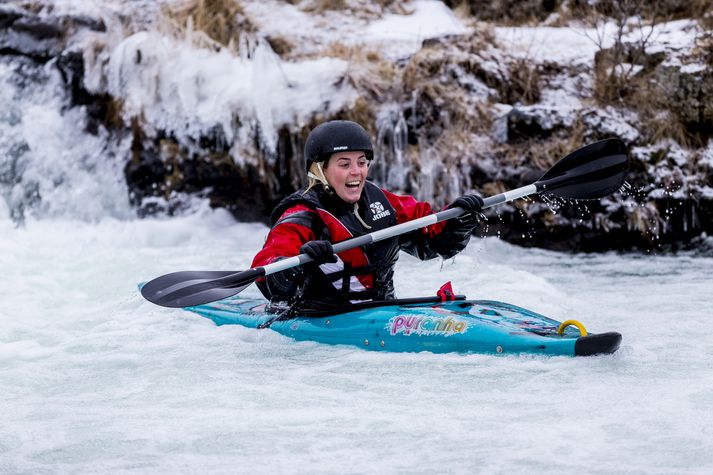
(470, 203)
(320, 251)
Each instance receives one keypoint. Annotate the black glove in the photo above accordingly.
(320, 251)
(457, 231)
(470, 203)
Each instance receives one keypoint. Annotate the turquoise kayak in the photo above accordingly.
(422, 324)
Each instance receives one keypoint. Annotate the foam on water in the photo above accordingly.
(95, 379)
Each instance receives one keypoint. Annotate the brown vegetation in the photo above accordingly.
(368, 72)
(219, 23)
(523, 82)
(280, 45)
(627, 76)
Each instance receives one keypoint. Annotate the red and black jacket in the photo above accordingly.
(363, 273)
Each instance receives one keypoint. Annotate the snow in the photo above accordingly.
(558, 44)
(393, 35)
(577, 44)
(567, 91)
(693, 68)
(430, 19)
(674, 35)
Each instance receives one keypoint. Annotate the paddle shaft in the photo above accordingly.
(402, 228)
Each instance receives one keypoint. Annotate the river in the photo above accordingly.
(94, 379)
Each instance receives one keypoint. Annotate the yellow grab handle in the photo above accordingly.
(575, 323)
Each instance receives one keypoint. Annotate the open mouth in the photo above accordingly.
(353, 184)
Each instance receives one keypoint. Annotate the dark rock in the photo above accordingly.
(648, 9)
(29, 35)
(37, 28)
(161, 168)
(102, 109)
(513, 11)
(538, 122)
(8, 15)
(83, 21)
(673, 225)
(40, 38)
(71, 66)
(688, 92)
(144, 175)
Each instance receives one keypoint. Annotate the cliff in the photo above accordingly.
(215, 98)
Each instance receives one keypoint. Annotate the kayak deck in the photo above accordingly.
(460, 326)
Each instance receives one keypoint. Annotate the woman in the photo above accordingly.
(339, 203)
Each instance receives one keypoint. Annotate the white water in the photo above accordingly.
(96, 380)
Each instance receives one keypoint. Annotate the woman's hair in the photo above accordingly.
(315, 175)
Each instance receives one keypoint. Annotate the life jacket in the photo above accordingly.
(362, 273)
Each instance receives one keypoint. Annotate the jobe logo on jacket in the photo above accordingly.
(377, 209)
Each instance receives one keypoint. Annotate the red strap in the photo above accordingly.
(445, 293)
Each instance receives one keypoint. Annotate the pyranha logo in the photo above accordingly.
(419, 325)
(377, 209)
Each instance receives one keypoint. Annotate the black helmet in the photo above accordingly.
(336, 136)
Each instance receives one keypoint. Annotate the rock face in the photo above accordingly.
(688, 92)
(161, 168)
(516, 11)
(40, 38)
(462, 114)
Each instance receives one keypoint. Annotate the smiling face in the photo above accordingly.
(346, 173)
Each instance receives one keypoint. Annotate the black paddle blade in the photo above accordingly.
(190, 288)
(594, 171)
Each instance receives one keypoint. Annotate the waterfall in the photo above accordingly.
(50, 165)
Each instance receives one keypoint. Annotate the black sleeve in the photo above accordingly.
(417, 244)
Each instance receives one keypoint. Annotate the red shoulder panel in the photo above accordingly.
(408, 209)
(285, 239)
